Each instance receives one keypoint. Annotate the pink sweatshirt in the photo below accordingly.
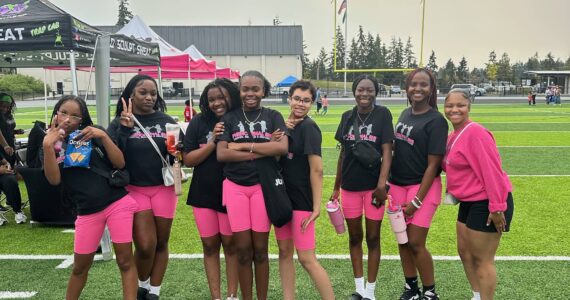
(473, 168)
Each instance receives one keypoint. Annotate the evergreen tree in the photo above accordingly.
(492, 66)
(432, 64)
(395, 54)
(340, 55)
(477, 76)
(504, 71)
(125, 15)
(448, 74)
(408, 55)
(361, 49)
(371, 55)
(533, 63)
(518, 70)
(463, 71)
(380, 54)
(352, 58)
(548, 63)
(305, 62)
(319, 65)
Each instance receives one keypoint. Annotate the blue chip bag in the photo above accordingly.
(77, 154)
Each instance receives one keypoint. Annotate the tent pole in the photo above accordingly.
(102, 58)
(45, 97)
(73, 72)
(160, 80)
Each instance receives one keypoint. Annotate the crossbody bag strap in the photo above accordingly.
(458, 136)
(151, 140)
(355, 129)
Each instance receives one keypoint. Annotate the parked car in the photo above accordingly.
(395, 89)
(480, 91)
(168, 91)
(470, 89)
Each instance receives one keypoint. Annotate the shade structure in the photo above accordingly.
(287, 81)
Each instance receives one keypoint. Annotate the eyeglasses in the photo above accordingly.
(302, 100)
(66, 115)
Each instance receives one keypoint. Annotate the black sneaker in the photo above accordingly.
(430, 295)
(150, 296)
(410, 294)
(141, 293)
(355, 296)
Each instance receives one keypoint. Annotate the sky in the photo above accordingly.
(453, 28)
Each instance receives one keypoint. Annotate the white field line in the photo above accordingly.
(68, 231)
(16, 295)
(68, 259)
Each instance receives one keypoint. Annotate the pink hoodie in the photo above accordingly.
(473, 168)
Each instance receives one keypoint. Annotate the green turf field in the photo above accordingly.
(534, 144)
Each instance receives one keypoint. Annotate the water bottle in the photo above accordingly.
(336, 216)
(398, 221)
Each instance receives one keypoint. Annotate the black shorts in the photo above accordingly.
(319, 105)
(474, 215)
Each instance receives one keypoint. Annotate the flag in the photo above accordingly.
(341, 9)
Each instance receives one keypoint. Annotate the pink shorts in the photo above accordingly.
(159, 198)
(353, 203)
(211, 222)
(246, 207)
(292, 230)
(119, 219)
(405, 194)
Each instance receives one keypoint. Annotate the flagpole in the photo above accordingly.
(422, 43)
(345, 42)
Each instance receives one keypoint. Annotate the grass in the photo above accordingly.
(538, 229)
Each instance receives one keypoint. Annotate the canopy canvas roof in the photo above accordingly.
(36, 33)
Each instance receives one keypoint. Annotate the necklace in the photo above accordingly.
(363, 122)
(256, 118)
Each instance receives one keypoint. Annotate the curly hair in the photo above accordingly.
(432, 98)
(219, 83)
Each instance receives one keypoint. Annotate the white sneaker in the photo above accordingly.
(3, 219)
(20, 218)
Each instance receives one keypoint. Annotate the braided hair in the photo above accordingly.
(432, 98)
(129, 90)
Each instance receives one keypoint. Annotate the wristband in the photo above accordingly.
(418, 200)
(415, 204)
(251, 148)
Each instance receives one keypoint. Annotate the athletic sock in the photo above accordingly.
(476, 296)
(412, 282)
(430, 288)
(359, 283)
(145, 284)
(369, 292)
(155, 290)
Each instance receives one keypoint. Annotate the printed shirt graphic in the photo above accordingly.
(142, 160)
(304, 140)
(206, 186)
(416, 137)
(377, 130)
(238, 130)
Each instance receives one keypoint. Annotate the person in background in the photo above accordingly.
(205, 194)
(477, 180)
(8, 181)
(325, 104)
(319, 100)
(415, 181)
(156, 202)
(529, 98)
(189, 111)
(247, 136)
(98, 204)
(364, 187)
(303, 176)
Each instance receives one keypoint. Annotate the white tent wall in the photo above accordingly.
(274, 67)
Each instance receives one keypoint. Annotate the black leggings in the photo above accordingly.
(9, 185)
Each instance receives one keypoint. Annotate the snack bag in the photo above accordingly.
(77, 154)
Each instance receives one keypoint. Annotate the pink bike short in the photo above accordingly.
(119, 219)
(405, 194)
(353, 203)
(246, 207)
(211, 222)
(292, 231)
(159, 198)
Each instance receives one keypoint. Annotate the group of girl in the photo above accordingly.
(223, 144)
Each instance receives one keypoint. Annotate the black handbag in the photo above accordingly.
(277, 203)
(364, 152)
(115, 177)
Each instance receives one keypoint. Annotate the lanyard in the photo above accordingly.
(455, 140)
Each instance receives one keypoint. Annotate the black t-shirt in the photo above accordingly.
(416, 137)
(245, 172)
(206, 187)
(304, 140)
(90, 191)
(376, 130)
(143, 162)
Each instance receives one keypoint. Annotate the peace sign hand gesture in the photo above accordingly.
(126, 118)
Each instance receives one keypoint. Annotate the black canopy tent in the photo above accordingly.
(36, 33)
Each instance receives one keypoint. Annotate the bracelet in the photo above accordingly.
(418, 200)
(415, 204)
(251, 148)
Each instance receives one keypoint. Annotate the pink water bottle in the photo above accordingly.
(335, 215)
(58, 144)
(398, 222)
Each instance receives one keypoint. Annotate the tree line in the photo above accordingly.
(367, 51)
